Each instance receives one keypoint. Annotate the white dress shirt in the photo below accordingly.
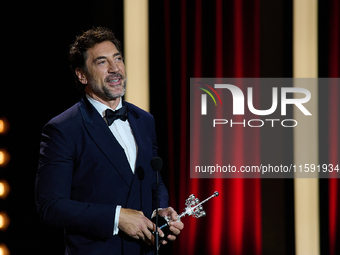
(123, 134)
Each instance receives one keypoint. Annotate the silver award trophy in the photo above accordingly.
(193, 208)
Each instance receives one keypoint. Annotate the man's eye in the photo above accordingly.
(101, 62)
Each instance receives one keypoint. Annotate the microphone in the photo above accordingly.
(140, 173)
(157, 164)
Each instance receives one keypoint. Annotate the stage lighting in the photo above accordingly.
(4, 221)
(4, 157)
(4, 250)
(4, 189)
(4, 126)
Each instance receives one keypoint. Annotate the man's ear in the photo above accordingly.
(81, 76)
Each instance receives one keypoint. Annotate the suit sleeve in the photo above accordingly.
(53, 189)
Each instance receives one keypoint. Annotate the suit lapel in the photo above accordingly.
(105, 140)
(135, 120)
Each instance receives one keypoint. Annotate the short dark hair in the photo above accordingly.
(77, 52)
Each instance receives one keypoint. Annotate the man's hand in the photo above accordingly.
(136, 225)
(175, 225)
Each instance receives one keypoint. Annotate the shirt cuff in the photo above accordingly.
(115, 225)
(155, 211)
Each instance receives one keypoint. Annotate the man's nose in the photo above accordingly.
(113, 68)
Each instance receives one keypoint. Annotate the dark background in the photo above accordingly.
(39, 86)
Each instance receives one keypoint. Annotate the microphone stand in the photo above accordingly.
(157, 206)
(156, 164)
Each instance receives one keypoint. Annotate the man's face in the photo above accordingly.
(105, 76)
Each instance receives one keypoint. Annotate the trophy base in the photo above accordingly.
(163, 225)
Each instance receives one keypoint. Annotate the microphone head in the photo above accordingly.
(156, 163)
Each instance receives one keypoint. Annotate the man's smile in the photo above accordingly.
(114, 80)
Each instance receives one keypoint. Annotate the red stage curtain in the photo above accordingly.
(334, 127)
(213, 39)
(222, 39)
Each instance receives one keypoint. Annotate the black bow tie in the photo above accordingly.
(111, 116)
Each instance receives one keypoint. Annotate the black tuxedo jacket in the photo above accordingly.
(84, 174)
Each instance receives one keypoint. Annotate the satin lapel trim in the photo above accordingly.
(134, 120)
(105, 140)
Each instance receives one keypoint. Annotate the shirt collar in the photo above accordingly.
(100, 107)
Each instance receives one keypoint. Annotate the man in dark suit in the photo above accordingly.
(95, 178)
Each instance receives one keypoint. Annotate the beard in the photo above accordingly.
(104, 91)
